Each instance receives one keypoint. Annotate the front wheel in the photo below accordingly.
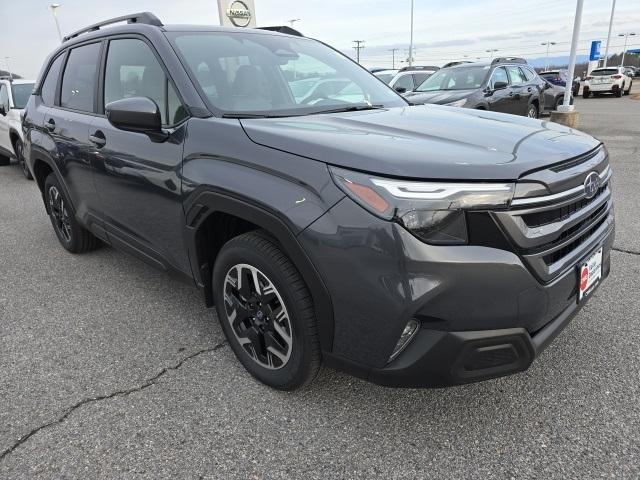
(18, 147)
(532, 111)
(266, 311)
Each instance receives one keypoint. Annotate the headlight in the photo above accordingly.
(433, 211)
(457, 103)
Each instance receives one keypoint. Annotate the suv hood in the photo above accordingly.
(439, 97)
(425, 141)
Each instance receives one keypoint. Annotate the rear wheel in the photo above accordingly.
(532, 111)
(585, 93)
(18, 148)
(266, 312)
(618, 92)
(70, 233)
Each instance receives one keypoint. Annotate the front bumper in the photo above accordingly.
(482, 312)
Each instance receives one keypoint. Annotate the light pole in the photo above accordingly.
(606, 49)
(358, 46)
(293, 20)
(566, 106)
(54, 7)
(393, 57)
(546, 59)
(6, 59)
(626, 37)
(491, 51)
(411, 38)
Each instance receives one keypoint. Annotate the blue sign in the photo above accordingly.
(595, 50)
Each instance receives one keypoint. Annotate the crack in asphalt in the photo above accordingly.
(623, 250)
(119, 393)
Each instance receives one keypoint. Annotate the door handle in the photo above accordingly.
(50, 125)
(98, 138)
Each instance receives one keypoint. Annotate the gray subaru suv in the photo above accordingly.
(408, 245)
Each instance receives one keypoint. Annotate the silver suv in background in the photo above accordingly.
(14, 94)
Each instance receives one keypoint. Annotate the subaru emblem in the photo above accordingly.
(591, 185)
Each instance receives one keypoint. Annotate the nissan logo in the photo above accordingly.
(591, 185)
(239, 14)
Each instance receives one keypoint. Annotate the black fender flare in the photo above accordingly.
(207, 200)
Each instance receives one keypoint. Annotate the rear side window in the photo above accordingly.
(79, 79)
(50, 83)
(528, 73)
(133, 70)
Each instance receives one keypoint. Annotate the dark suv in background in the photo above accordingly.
(408, 245)
(506, 85)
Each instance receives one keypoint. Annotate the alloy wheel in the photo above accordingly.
(258, 316)
(19, 155)
(59, 213)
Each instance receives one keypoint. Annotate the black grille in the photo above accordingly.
(567, 249)
(538, 219)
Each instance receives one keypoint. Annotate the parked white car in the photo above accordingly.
(13, 98)
(607, 80)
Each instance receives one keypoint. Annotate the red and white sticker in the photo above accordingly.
(590, 275)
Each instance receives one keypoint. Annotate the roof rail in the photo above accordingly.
(146, 18)
(508, 60)
(283, 29)
(453, 64)
(419, 67)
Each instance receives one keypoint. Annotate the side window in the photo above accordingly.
(528, 73)
(405, 81)
(48, 90)
(418, 78)
(516, 76)
(4, 95)
(499, 75)
(133, 70)
(79, 78)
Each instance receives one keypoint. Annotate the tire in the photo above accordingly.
(618, 92)
(250, 319)
(585, 93)
(18, 148)
(72, 236)
(532, 111)
(4, 160)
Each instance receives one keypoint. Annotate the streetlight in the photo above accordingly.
(491, 51)
(6, 59)
(606, 50)
(411, 39)
(54, 7)
(626, 37)
(293, 20)
(546, 59)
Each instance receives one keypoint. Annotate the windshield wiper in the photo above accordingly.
(250, 115)
(351, 108)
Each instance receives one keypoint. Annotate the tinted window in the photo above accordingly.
(418, 78)
(457, 78)
(133, 70)
(21, 93)
(50, 83)
(604, 72)
(499, 75)
(79, 79)
(405, 81)
(515, 75)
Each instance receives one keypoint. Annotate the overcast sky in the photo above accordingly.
(444, 29)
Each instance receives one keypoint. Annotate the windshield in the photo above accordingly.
(385, 77)
(604, 72)
(21, 92)
(457, 78)
(274, 75)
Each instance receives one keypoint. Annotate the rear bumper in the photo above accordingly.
(605, 87)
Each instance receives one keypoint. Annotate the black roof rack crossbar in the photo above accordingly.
(147, 18)
(283, 29)
(417, 68)
(508, 60)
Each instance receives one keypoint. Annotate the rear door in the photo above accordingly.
(66, 124)
(139, 179)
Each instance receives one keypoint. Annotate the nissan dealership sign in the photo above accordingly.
(237, 13)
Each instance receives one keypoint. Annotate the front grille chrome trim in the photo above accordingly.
(575, 193)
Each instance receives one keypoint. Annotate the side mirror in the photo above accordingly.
(401, 90)
(135, 114)
(500, 85)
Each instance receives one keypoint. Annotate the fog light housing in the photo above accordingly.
(407, 334)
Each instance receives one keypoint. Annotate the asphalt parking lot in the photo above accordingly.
(112, 369)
